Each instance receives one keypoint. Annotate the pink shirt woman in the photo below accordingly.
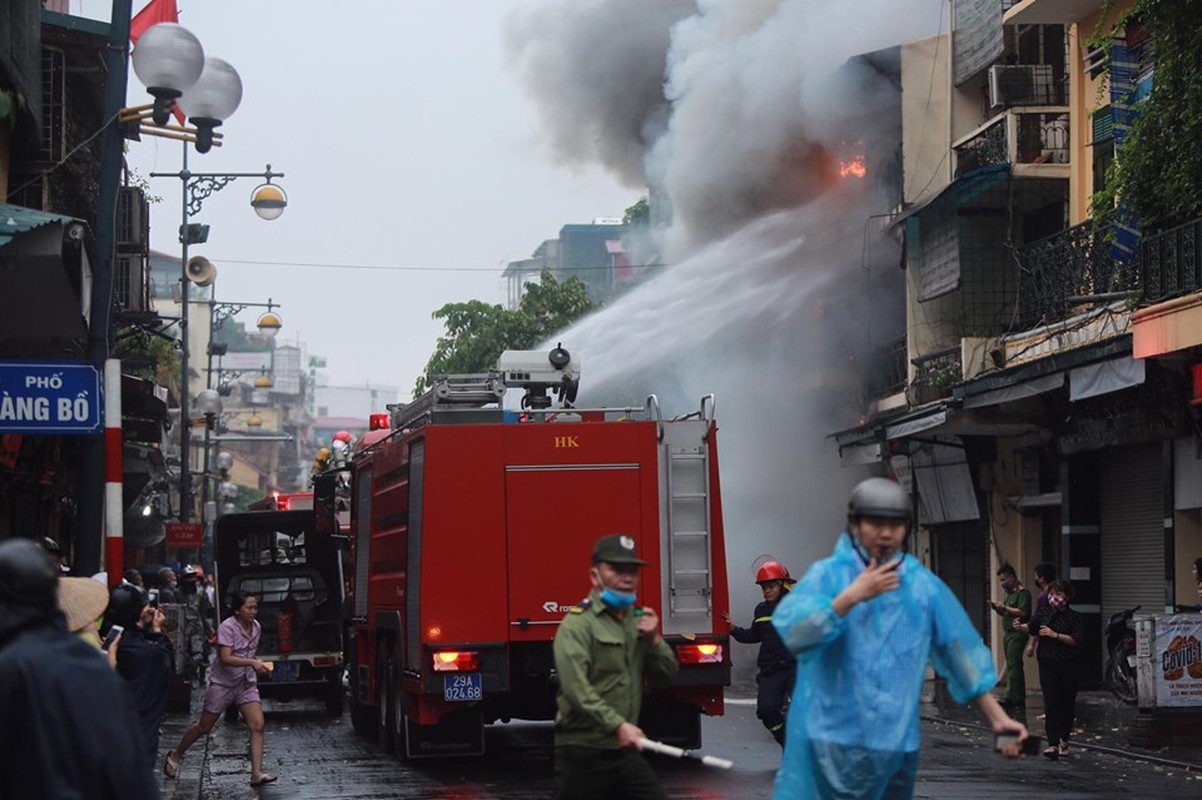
(232, 682)
(242, 644)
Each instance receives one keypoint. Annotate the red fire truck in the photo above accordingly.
(472, 527)
(283, 501)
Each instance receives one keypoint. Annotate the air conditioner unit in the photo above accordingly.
(1022, 85)
(129, 282)
(133, 220)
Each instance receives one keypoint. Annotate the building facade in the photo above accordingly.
(1045, 412)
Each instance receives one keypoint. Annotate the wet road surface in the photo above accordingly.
(317, 757)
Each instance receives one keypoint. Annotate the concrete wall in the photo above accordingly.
(926, 105)
(1017, 540)
(1086, 95)
(1189, 547)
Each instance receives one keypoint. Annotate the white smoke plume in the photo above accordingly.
(725, 108)
(733, 112)
(597, 69)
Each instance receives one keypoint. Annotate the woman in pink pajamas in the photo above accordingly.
(233, 681)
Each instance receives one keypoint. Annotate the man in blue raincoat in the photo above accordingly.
(863, 624)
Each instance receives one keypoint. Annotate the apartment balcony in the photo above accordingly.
(1061, 274)
(934, 376)
(1172, 262)
(888, 375)
(1034, 140)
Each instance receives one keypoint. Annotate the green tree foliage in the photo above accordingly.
(477, 333)
(1158, 169)
(638, 214)
(149, 357)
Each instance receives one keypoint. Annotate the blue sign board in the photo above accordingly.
(56, 397)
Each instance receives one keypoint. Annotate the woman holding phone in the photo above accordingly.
(1058, 629)
(233, 681)
(145, 657)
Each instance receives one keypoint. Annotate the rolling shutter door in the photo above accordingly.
(1132, 530)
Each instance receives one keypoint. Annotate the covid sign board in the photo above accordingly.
(1177, 660)
(50, 397)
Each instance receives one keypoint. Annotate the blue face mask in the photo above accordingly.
(617, 600)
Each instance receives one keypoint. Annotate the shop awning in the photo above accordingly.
(18, 219)
(1105, 377)
(916, 423)
(945, 485)
(1018, 391)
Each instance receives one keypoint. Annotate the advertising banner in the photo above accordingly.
(1177, 661)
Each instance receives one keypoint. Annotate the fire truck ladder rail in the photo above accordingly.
(471, 390)
(688, 516)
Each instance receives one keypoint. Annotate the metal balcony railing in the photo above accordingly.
(1062, 272)
(1027, 136)
(1172, 262)
(888, 370)
(934, 376)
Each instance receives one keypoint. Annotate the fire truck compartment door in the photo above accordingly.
(555, 514)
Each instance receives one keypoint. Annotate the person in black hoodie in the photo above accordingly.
(145, 658)
(777, 667)
(1059, 652)
(66, 719)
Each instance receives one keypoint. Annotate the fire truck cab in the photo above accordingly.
(472, 528)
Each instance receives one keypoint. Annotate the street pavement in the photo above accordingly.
(319, 757)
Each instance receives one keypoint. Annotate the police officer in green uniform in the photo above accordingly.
(604, 648)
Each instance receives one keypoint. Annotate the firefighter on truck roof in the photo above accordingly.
(604, 648)
(777, 666)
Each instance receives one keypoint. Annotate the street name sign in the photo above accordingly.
(49, 397)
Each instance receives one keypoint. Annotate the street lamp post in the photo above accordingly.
(269, 325)
(208, 403)
(197, 187)
(172, 64)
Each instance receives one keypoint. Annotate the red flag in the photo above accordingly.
(153, 13)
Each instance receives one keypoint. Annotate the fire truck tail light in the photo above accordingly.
(379, 422)
(323, 661)
(700, 653)
(456, 661)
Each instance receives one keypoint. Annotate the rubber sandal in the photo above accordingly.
(1052, 753)
(171, 765)
(264, 778)
(1063, 749)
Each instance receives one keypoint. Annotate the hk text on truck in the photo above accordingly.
(472, 528)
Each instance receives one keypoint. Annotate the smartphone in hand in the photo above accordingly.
(152, 597)
(114, 632)
(1030, 745)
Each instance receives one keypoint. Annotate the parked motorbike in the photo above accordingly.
(1120, 655)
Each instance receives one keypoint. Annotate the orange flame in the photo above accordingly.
(854, 167)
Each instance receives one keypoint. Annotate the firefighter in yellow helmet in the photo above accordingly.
(777, 666)
(321, 462)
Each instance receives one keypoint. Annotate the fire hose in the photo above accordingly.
(676, 752)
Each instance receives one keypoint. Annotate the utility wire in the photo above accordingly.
(65, 158)
(418, 268)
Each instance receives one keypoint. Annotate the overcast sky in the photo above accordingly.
(406, 141)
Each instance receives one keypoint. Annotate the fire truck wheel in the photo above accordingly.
(334, 693)
(385, 729)
(363, 717)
